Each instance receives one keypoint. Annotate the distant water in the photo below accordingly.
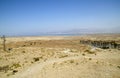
(55, 34)
(46, 35)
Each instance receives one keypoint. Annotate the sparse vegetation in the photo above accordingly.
(118, 67)
(16, 65)
(36, 59)
(26, 61)
(15, 71)
(62, 56)
(83, 54)
(110, 64)
(77, 63)
(90, 58)
(73, 50)
(89, 52)
(63, 53)
(9, 49)
(0, 58)
(23, 51)
(32, 62)
(41, 57)
(4, 68)
(71, 61)
(23, 45)
(30, 43)
(97, 62)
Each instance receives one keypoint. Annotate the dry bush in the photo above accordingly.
(89, 52)
(71, 61)
(9, 49)
(73, 50)
(97, 62)
(4, 68)
(62, 56)
(43, 50)
(23, 51)
(77, 63)
(23, 45)
(15, 65)
(15, 71)
(83, 54)
(12, 73)
(118, 67)
(90, 58)
(36, 59)
(41, 57)
(0, 58)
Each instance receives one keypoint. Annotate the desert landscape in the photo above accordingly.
(61, 57)
(59, 38)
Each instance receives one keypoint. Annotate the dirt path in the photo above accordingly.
(34, 70)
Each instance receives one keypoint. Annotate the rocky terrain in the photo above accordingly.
(90, 56)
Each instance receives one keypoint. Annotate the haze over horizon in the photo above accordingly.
(30, 17)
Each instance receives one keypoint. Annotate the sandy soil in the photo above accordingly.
(58, 57)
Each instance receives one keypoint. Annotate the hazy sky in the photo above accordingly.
(35, 16)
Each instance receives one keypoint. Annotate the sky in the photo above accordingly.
(20, 17)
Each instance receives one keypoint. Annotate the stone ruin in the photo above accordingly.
(102, 44)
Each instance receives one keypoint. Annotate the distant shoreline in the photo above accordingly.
(43, 35)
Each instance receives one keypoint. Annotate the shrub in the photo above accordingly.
(63, 56)
(90, 52)
(97, 62)
(83, 54)
(90, 58)
(23, 51)
(36, 59)
(16, 65)
(77, 63)
(9, 49)
(0, 58)
(71, 61)
(118, 67)
(73, 50)
(15, 71)
(30, 43)
(5, 68)
(23, 45)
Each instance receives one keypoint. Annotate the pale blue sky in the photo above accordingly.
(20, 17)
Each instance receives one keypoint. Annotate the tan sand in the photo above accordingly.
(58, 57)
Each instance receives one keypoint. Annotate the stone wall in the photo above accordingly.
(102, 44)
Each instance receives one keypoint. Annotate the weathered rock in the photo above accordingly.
(102, 44)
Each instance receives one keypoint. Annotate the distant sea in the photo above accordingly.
(45, 35)
(35, 35)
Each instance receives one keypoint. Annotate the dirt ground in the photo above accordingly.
(58, 57)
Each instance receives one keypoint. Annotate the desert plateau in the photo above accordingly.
(59, 57)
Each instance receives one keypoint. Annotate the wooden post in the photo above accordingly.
(4, 40)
